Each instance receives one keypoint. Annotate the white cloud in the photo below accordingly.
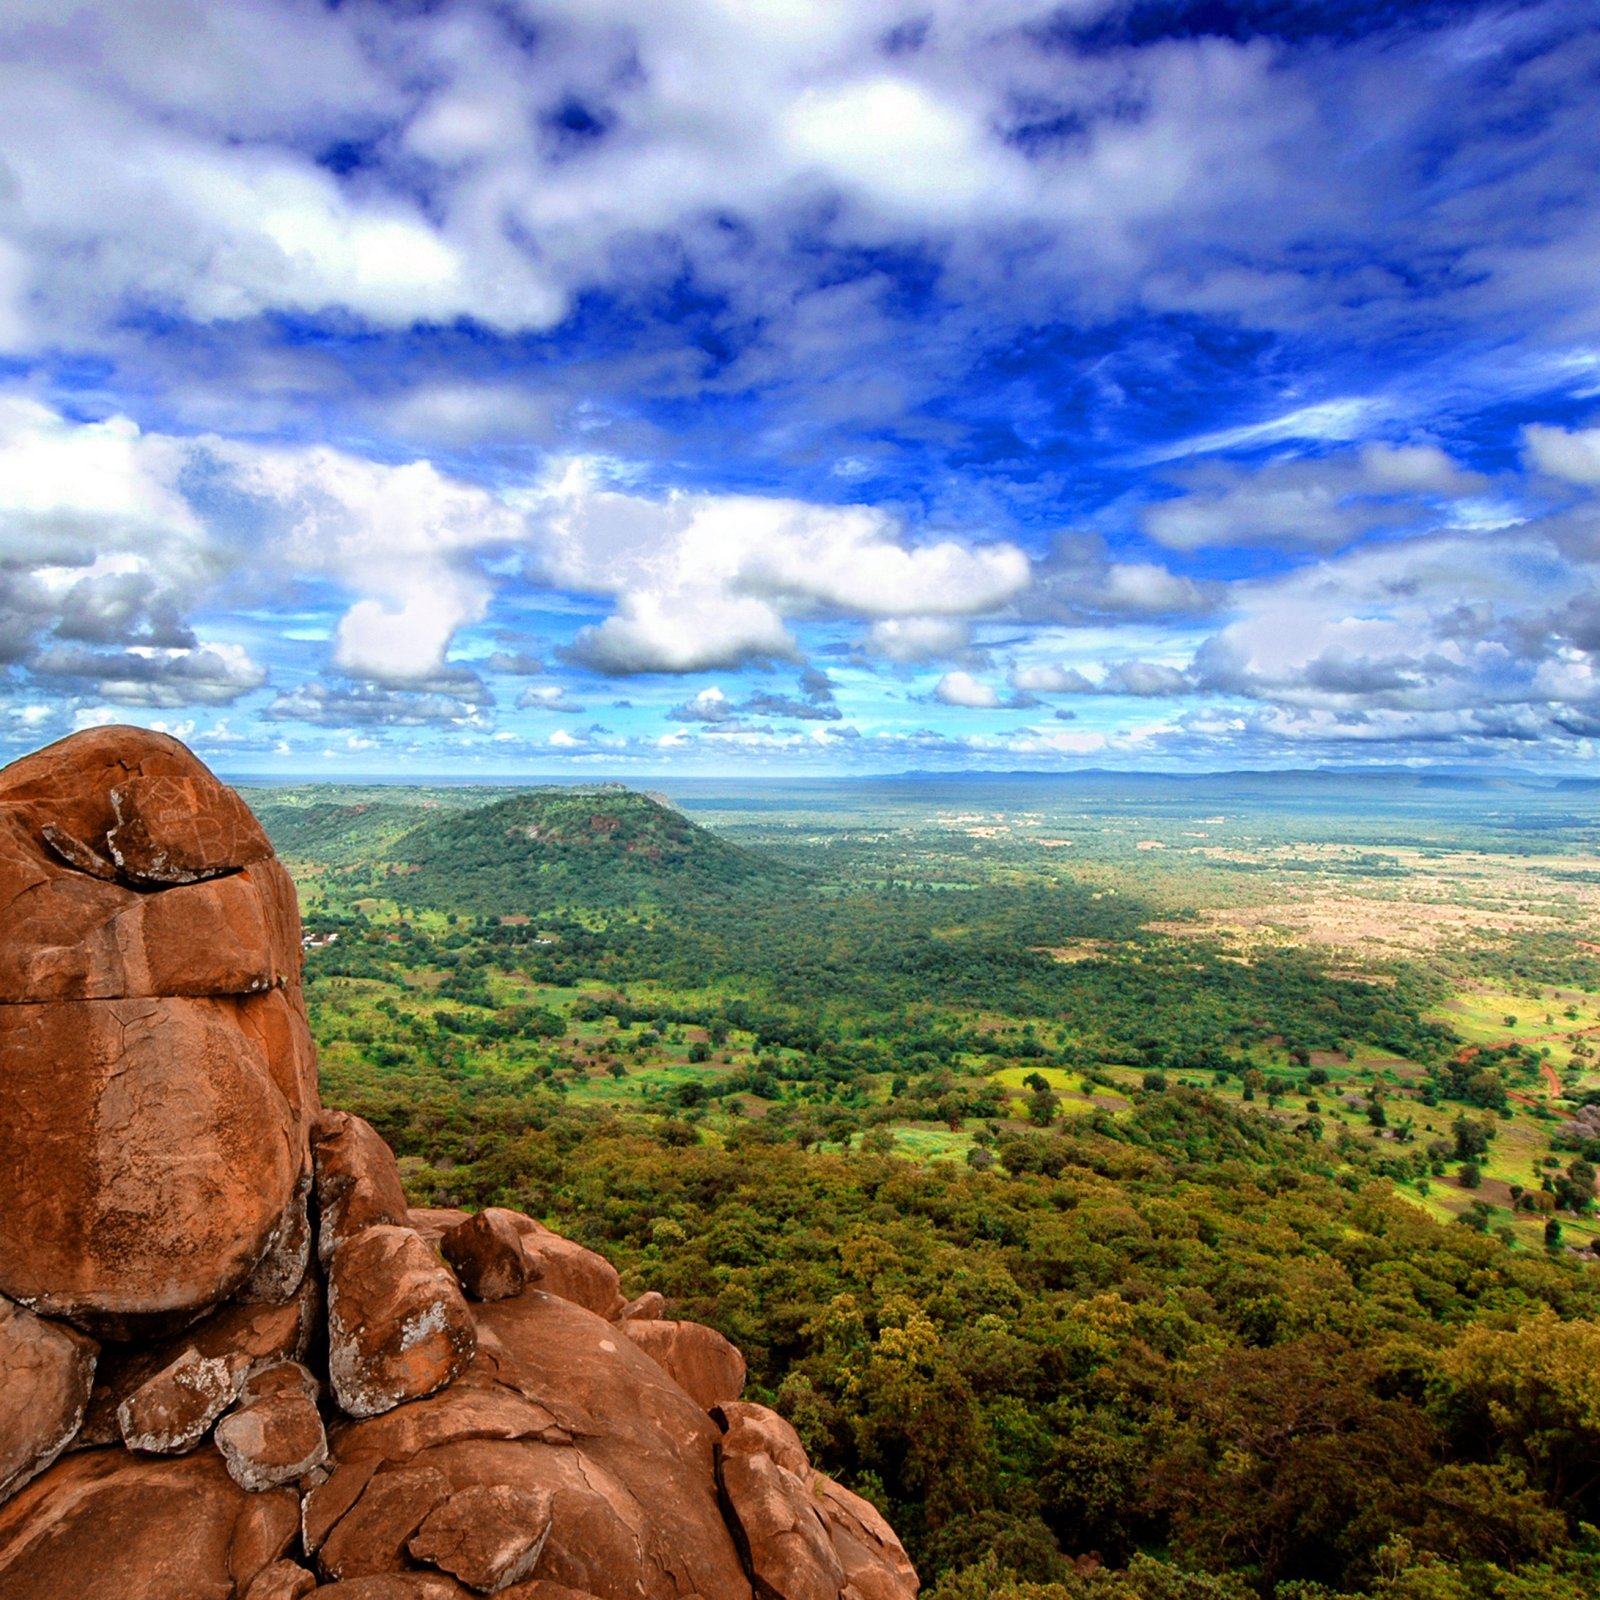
(405, 539)
(1048, 679)
(1308, 504)
(1572, 454)
(706, 581)
(910, 640)
(962, 689)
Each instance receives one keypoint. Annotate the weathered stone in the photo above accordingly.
(749, 1429)
(371, 1536)
(698, 1359)
(650, 1306)
(273, 1438)
(398, 1327)
(398, 1586)
(46, 1370)
(146, 1157)
(107, 1525)
(172, 1411)
(125, 802)
(357, 1180)
(784, 1538)
(489, 1536)
(876, 1567)
(628, 1464)
(563, 1268)
(263, 1335)
(283, 1268)
(486, 1252)
(283, 1580)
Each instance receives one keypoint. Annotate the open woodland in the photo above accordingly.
(1137, 1187)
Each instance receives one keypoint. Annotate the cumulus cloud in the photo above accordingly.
(406, 539)
(548, 697)
(1319, 504)
(962, 689)
(375, 705)
(1081, 581)
(148, 676)
(710, 581)
(1572, 454)
(914, 640)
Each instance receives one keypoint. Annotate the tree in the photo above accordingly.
(1042, 1104)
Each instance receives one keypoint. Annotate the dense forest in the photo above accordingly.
(1164, 1325)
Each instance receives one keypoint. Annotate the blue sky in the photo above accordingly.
(497, 387)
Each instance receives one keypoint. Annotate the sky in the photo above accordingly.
(582, 388)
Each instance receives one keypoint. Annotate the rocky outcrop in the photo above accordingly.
(151, 941)
(235, 1366)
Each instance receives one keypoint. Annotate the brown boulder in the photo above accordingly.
(561, 1403)
(486, 1252)
(780, 1503)
(371, 1537)
(698, 1359)
(262, 1335)
(172, 1411)
(357, 1180)
(561, 1267)
(276, 1435)
(398, 1327)
(107, 1525)
(281, 1271)
(784, 1539)
(876, 1566)
(398, 1586)
(650, 1306)
(125, 803)
(488, 1537)
(283, 1580)
(154, 1172)
(45, 1373)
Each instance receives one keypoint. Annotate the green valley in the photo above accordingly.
(1036, 1141)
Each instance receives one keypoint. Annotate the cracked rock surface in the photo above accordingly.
(233, 1364)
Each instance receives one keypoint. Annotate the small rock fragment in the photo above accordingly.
(283, 1580)
(486, 1252)
(564, 1268)
(170, 1412)
(398, 1327)
(647, 1307)
(489, 1537)
(698, 1359)
(276, 1436)
(371, 1537)
(45, 1373)
(357, 1180)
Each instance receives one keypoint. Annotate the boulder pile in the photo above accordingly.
(234, 1364)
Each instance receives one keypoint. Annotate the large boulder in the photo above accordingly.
(398, 1327)
(559, 1404)
(170, 1187)
(160, 1077)
(45, 1373)
(706, 1366)
(108, 1525)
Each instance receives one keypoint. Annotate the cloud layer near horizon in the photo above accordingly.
(517, 386)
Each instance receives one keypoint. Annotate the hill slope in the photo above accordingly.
(548, 848)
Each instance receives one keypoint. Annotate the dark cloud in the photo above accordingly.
(515, 664)
(374, 705)
(162, 678)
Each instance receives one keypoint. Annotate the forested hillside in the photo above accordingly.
(1112, 1259)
